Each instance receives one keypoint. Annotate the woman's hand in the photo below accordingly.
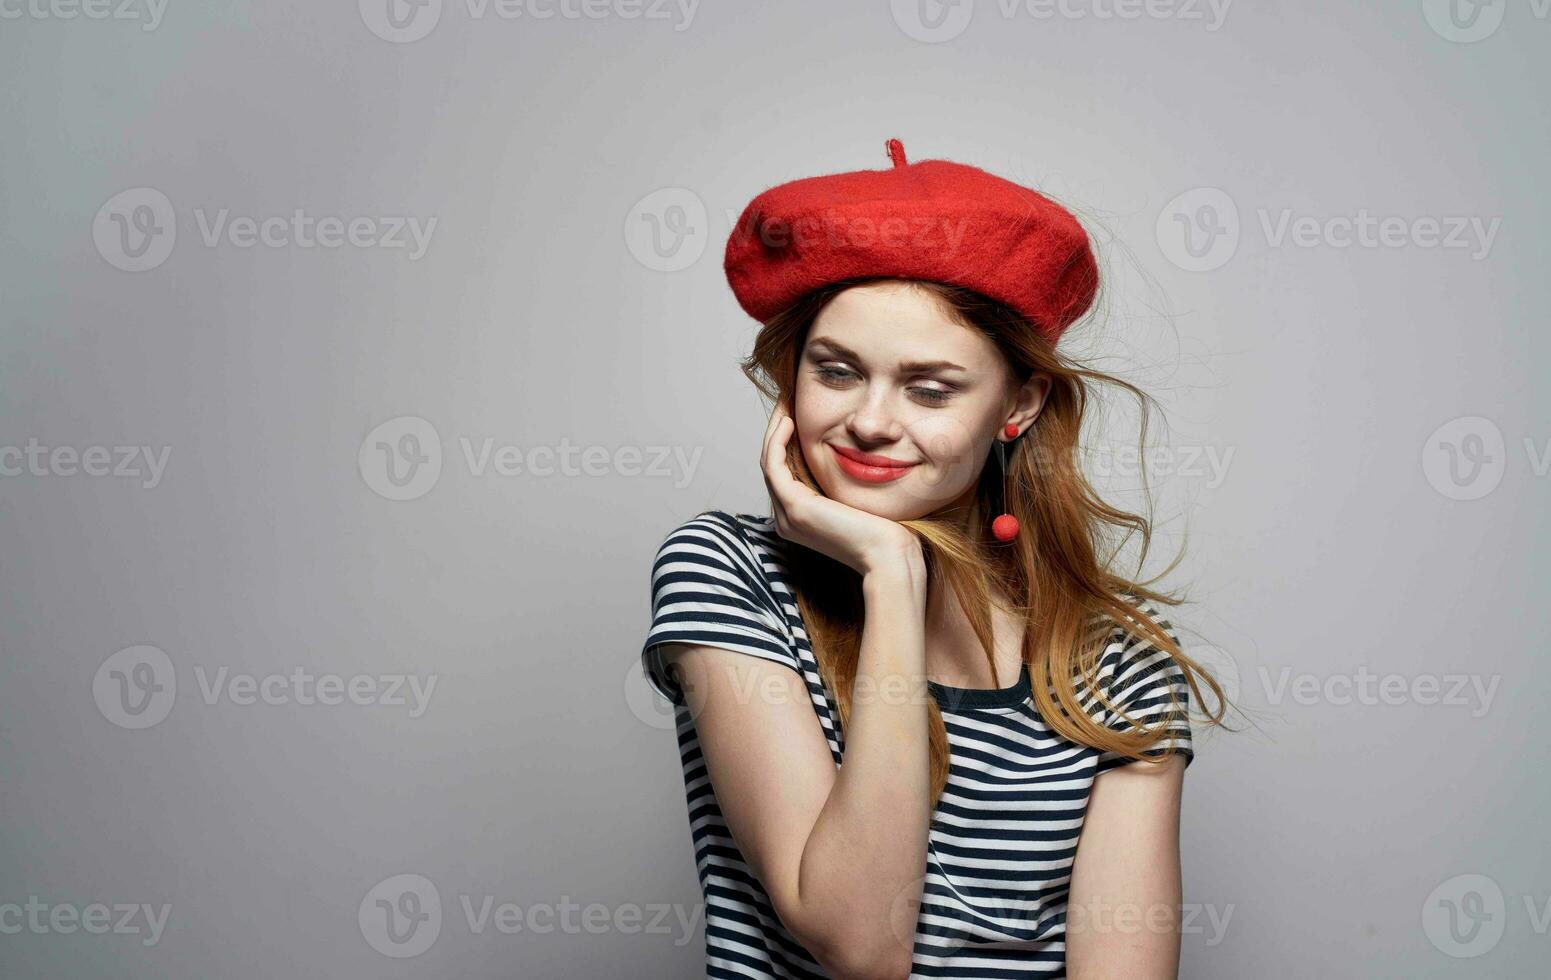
(863, 541)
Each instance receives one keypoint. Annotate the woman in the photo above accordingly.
(941, 618)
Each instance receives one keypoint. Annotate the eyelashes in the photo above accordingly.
(836, 377)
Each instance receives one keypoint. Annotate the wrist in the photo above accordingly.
(896, 565)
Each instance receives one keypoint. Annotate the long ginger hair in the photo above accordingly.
(1057, 573)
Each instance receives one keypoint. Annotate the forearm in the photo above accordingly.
(866, 853)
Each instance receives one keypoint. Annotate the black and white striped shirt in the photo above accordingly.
(1003, 835)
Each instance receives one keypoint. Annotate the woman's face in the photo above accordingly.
(897, 403)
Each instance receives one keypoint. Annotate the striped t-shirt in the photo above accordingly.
(1003, 834)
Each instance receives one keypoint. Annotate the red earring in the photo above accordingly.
(1005, 527)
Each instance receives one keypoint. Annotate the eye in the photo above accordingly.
(934, 395)
(837, 376)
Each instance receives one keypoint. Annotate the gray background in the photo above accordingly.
(1338, 384)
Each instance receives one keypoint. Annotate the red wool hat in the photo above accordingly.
(933, 219)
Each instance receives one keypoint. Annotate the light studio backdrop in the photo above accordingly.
(355, 358)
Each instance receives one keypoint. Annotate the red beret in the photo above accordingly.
(933, 219)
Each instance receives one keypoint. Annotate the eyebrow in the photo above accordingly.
(846, 352)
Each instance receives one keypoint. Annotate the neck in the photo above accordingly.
(954, 654)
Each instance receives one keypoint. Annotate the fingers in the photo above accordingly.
(771, 424)
(773, 465)
(780, 467)
(777, 473)
(776, 431)
(765, 469)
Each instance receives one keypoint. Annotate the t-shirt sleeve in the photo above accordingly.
(708, 587)
(1149, 685)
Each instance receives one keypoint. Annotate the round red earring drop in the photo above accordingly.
(1005, 527)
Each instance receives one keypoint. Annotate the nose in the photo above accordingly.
(874, 422)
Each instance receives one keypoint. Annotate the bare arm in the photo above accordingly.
(841, 852)
(1123, 907)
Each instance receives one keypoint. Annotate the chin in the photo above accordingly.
(876, 502)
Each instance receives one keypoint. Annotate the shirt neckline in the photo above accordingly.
(949, 697)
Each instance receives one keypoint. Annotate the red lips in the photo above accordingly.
(869, 467)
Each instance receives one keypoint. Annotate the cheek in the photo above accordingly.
(818, 410)
(955, 454)
(945, 439)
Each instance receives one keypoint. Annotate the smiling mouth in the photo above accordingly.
(869, 470)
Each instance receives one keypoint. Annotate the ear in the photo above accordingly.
(1027, 402)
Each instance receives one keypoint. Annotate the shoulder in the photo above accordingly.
(719, 536)
(710, 586)
(1131, 666)
(1126, 635)
(739, 551)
